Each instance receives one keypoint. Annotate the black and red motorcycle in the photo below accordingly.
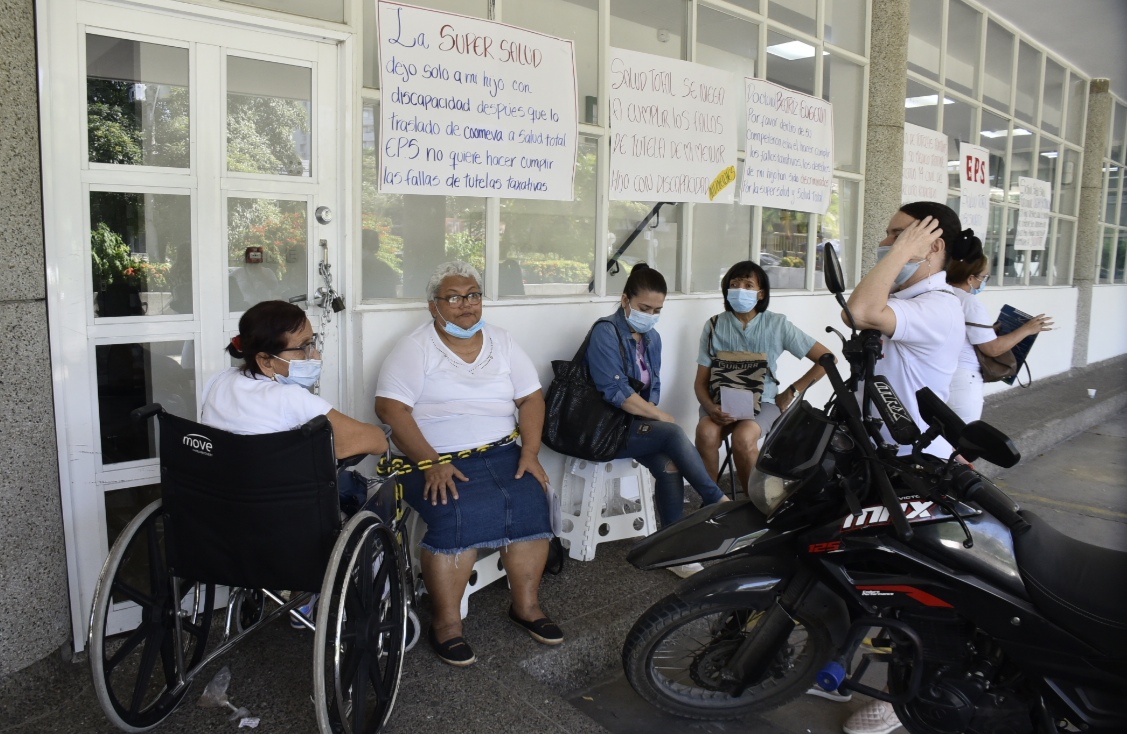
(989, 620)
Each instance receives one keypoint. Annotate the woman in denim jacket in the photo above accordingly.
(655, 440)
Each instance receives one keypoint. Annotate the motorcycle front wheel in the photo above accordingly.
(675, 654)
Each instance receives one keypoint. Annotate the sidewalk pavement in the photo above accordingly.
(519, 686)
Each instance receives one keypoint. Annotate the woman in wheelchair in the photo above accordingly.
(270, 392)
(452, 391)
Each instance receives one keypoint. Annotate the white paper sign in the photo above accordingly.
(1033, 214)
(925, 165)
(790, 149)
(474, 108)
(673, 129)
(974, 188)
(740, 404)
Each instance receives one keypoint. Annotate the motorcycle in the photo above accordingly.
(987, 619)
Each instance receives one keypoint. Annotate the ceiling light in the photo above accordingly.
(1002, 133)
(1051, 154)
(927, 100)
(792, 50)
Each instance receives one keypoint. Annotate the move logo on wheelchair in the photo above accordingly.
(198, 443)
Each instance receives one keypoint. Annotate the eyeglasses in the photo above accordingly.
(981, 278)
(471, 298)
(309, 348)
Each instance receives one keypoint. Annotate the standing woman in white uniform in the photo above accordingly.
(967, 280)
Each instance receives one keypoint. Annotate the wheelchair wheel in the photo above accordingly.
(361, 629)
(249, 608)
(137, 672)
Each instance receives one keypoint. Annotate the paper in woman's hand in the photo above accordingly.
(740, 404)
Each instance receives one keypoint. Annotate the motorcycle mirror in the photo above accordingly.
(984, 440)
(936, 413)
(831, 268)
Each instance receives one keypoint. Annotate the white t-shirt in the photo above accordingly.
(924, 349)
(974, 313)
(240, 403)
(457, 405)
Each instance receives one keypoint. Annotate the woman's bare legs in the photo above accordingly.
(524, 566)
(446, 576)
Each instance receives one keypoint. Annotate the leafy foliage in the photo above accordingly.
(137, 124)
(260, 134)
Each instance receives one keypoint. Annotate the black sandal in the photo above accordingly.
(543, 630)
(455, 651)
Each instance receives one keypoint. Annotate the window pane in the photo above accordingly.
(1114, 175)
(323, 9)
(131, 376)
(1120, 255)
(958, 124)
(752, 5)
(845, 24)
(1066, 243)
(838, 227)
(995, 235)
(1052, 114)
(269, 117)
(796, 14)
(122, 505)
(1047, 158)
(1107, 256)
(547, 247)
(1021, 163)
(137, 103)
(921, 106)
(924, 31)
(963, 30)
(1118, 126)
(783, 247)
(731, 44)
(842, 84)
(1028, 83)
(472, 8)
(1077, 109)
(790, 62)
(1038, 272)
(1015, 259)
(574, 19)
(414, 233)
(656, 27)
(998, 71)
(141, 253)
(1070, 182)
(267, 251)
(721, 238)
(995, 135)
(658, 245)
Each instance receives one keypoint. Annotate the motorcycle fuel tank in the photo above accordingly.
(991, 556)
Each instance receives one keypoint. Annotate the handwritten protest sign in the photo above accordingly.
(790, 149)
(673, 129)
(925, 165)
(1032, 213)
(974, 188)
(474, 108)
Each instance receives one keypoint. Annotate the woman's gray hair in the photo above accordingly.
(459, 268)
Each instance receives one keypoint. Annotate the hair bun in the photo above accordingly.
(968, 247)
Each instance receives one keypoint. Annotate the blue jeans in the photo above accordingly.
(656, 444)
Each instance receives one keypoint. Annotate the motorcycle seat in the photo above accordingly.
(1077, 585)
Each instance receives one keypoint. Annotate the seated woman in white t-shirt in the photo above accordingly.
(453, 391)
(270, 392)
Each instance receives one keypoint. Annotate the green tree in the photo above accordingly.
(260, 134)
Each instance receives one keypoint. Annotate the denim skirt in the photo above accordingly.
(492, 509)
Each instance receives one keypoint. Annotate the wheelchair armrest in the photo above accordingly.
(145, 412)
(308, 429)
(350, 461)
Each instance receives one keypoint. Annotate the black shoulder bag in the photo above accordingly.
(578, 421)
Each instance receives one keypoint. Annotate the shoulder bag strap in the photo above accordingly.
(981, 326)
(583, 347)
(712, 333)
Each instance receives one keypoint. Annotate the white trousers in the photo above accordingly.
(966, 394)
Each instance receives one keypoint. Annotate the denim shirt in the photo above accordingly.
(604, 360)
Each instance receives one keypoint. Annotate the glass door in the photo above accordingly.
(184, 161)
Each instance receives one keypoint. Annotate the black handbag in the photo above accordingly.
(578, 421)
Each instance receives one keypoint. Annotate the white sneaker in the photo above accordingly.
(686, 570)
(830, 695)
(875, 717)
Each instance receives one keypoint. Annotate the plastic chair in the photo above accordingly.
(487, 569)
(604, 501)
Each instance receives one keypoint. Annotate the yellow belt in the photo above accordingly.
(399, 465)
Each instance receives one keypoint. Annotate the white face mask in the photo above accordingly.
(304, 372)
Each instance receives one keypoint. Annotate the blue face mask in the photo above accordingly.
(906, 272)
(304, 372)
(975, 291)
(743, 301)
(457, 331)
(641, 322)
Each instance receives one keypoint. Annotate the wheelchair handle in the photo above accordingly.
(318, 423)
(145, 412)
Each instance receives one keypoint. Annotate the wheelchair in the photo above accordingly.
(255, 514)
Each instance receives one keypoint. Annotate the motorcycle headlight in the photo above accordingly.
(768, 492)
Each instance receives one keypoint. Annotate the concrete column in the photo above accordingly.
(33, 578)
(884, 138)
(1089, 232)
